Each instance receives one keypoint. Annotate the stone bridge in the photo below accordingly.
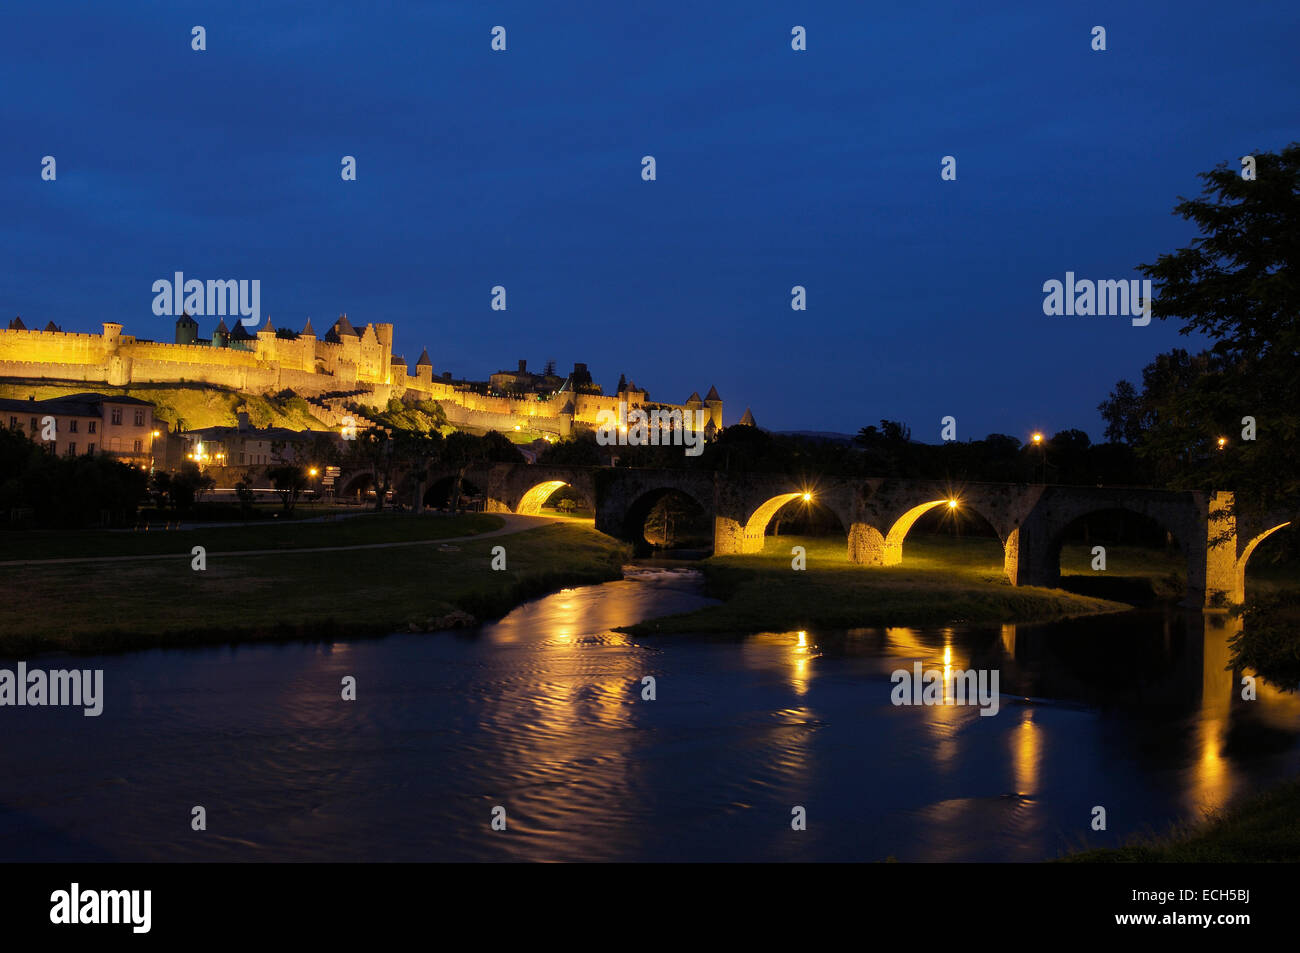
(1030, 520)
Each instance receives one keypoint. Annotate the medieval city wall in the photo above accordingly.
(306, 365)
(53, 347)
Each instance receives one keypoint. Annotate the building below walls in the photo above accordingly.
(123, 427)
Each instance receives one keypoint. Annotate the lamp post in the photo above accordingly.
(1037, 438)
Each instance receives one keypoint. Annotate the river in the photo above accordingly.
(542, 715)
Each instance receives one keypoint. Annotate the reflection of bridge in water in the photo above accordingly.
(1030, 520)
(1130, 667)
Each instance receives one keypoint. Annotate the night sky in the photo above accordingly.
(523, 168)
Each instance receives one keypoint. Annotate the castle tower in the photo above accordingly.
(112, 334)
(187, 329)
(693, 403)
(266, 345)
(221, 336)
(714, 404)
(424, 368)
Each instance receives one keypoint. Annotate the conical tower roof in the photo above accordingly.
(424, 359)
(694, 398)
(713, 394)
(308, 329)
(748, 419)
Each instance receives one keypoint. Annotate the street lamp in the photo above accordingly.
(1223, 442)
(1037, 439)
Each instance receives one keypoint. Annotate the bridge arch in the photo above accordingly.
(357, 484)
(753, 533)
(438, 494)
(1239, 570)
(530, 504)
(637, 513)
(1115, 527)
(893, 549)
(868, 545)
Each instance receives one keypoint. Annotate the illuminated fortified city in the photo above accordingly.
(346, 365)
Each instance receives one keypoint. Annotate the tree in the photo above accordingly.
(181, 490)
(244, 493)
(373, 450)
(1237, 283)
(460, 452)
(289, 481)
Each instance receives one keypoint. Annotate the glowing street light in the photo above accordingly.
(1037, 437)
(952, 504)
(312, 472)
(807, 497)
(1223, 442)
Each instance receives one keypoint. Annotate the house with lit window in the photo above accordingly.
(120, 426)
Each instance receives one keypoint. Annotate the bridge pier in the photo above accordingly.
(866, 545)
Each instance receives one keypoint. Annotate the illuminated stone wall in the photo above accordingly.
(307, 365)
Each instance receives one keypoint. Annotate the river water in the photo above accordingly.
(542, 716)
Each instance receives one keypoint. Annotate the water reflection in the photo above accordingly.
(547, 713)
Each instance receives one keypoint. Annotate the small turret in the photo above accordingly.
(187, 329)
(714, 402)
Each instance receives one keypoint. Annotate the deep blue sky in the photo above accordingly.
(522, 168)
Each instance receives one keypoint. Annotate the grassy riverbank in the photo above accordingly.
(347, 528)
(1263, 828)
(942, 581)
(281, 595)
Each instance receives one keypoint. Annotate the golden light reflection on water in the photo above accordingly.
(1212, 781)
(796, 655)
(1027, 753)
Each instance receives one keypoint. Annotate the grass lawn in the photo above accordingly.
(1263, 828)
(97, 607)
(941, 581)
(351, 530)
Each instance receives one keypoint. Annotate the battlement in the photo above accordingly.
(311, 365)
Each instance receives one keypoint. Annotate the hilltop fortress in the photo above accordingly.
(344, 367)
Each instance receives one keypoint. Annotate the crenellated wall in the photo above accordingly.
(307, 365)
